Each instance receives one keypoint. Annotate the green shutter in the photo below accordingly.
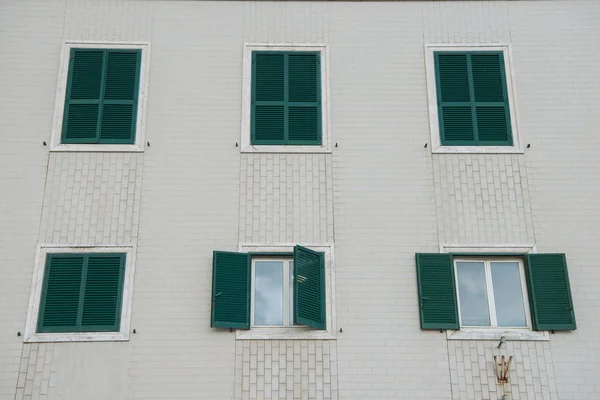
(437, 291)
(472, 99)
(231, 290)
(550, 292)
(82, 293)
(286, 98)
(102, 96)
(309, 288)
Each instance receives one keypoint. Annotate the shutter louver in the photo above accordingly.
(437, 291)
(550, 292)
(102, 96)
(472, 99)
(286, 98)
(231, 290)
(103, 293)
(59, 304)
(309, 288)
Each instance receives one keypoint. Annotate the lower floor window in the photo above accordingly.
(272, 292)
(492, 293)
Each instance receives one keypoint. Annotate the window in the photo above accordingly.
(101, 97)
(101, 100)
(269, 290)
(532, 291)
(286, 98)
(81, 294)
(491, 293)
(470, 106)
(284, 108)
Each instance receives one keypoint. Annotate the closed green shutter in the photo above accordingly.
(286, 98)
(309, 288)
(82, 293)
(550, 292)
(472, 99)
(102, 96)
(437, 291)
(231, 290)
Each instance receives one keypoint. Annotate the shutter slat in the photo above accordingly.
(458, 123)
(437, 291)
(309, 288)
(303, 77)
(61, 291)
(550, 292)
(102, 298)
(303, 124)
(453, 76)
(492, 124)
(269, 123)
(231, 290)
(488, 84)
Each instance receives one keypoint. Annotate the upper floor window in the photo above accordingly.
(472, 105)
(285, 107)
(101, 100)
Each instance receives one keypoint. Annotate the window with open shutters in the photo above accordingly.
(101, 99)
(529, 292)
(269, 290)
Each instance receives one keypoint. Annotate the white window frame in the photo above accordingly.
(294, 332)
(59, 106)
(31, 336)
(487, 261)
(287, 291)
(436, 145)
(246, 146)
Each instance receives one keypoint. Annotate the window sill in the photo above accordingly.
(285, 149)
(78, 337)
(287, 333)
(496, 334)
(117, 148)
(477, 150)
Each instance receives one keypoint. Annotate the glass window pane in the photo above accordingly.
(474, 310)
(268, 293)
(508, 294)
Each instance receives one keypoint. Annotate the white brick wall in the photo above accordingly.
(192, 192)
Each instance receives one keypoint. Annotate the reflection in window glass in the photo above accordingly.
(472, 292)
(508, 294)
(268, 293)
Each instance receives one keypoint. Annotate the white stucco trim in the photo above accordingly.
(434, 127)
(59, 104)
(284, 333)
(246, 147)
(466, 333)
(36, 292)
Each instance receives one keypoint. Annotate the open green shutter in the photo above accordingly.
(309, 288)
(472, 99)
(102, 299)
(437, 291)
(550, 292)
(231, 290)
(119, 109)
(59, 305)
(84, 96)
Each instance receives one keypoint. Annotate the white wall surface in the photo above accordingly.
(192, 192)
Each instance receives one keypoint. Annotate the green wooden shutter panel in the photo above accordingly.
(101, 310)
(472, 99)
(309, 288)
(82, 293)
(286, 98)
(231, 290)
(59, 304)
(437, 291)
(102, 96)
(550, 292)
